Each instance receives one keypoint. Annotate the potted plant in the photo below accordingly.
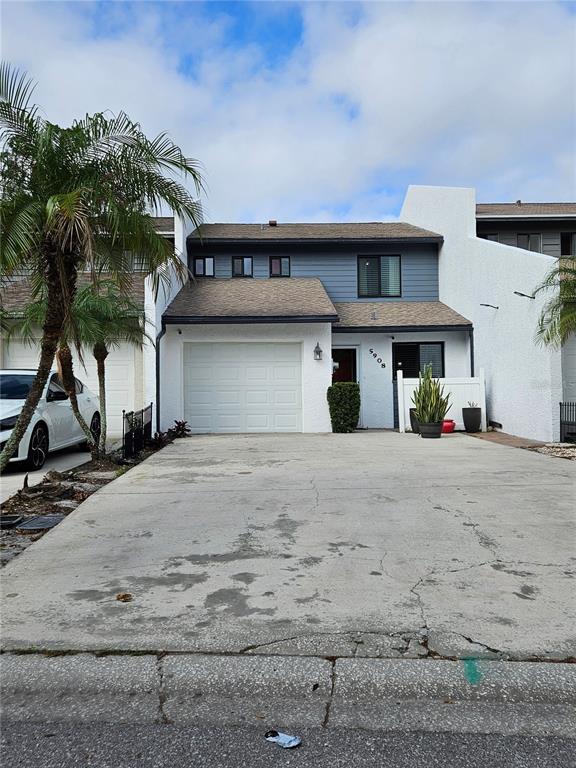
(430, 403)
(472, 417)
(414, 422)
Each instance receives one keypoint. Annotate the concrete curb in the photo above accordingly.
(291, 692)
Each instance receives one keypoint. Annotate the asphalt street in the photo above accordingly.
(157, 746)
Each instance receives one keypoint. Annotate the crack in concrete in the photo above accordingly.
(162, 716)
(414, 591)
(349, 633)
(332, 660)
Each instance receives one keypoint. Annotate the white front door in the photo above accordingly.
(242, 387)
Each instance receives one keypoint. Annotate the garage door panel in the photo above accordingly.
(286, 397)
(257, 373)
(246, 387)
(286, 373)
(257, 397)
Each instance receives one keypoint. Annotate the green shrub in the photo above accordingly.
(344, 405)
(429, 401)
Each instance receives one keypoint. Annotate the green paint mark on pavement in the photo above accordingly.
(471, 672)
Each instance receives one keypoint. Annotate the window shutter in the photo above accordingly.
(390, 275)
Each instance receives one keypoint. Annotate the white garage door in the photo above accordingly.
(569, 369)
(242, 387)
(120, 376)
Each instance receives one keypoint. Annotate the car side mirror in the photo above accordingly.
(56, 395)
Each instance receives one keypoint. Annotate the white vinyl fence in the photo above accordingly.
(462, 391)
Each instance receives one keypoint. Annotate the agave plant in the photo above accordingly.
(429, 400)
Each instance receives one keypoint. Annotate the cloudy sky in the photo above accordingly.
(322, 111)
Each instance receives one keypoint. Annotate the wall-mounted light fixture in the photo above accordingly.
(525, 295)
(179, 332)
(317, 351)
(490, 305)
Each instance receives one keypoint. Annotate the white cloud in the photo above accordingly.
(376, 96)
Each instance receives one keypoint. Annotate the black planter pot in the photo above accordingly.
(431, 430)
(472, 419)
(414, 421)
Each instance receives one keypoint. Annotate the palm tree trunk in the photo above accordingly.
(100, 353)
(49, 343)
(66, 370)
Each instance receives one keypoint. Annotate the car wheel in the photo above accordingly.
(38, 447)
(95, 428)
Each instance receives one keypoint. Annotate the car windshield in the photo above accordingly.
(15, 386)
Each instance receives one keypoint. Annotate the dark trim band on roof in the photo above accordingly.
(400, 328)
(247, 319)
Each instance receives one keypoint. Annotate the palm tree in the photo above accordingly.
(74, 200)
(101, 317)
(558, 318)
(106, 318)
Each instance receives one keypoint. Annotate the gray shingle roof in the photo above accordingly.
(486, 210)
(224, 300)
(163, 223)
(15, 295)
(340, 231)
(396, 314)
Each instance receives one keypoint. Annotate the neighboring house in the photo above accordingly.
(548, 228)
(250, 343)
(130, 371)
(544, 227)
(492, 283)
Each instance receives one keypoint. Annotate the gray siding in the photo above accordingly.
(339, 271)
(508, 231)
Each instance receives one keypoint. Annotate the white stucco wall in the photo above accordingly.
(316, 375)
(154, 306)
(523, 380)
(376, 391)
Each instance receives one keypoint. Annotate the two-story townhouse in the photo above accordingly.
(276, 312)
(548, 228)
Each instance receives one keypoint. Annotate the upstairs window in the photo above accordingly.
(530, 242)
(204, 266)
(242, 266)
(568, 244)
(280, 266)
(490, 236)
(379, 276)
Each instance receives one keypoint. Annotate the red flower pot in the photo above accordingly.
(448, 425)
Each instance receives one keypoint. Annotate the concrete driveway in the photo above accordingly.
(370, 544)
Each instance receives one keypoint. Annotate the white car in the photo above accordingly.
(53, 425)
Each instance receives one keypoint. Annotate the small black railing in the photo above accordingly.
(136, 431)
(568, 422)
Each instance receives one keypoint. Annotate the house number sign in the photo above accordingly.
(377, 358)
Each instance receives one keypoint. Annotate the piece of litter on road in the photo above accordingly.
(9, 521)
(40, 523)
(124, 597)
(283, 739)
